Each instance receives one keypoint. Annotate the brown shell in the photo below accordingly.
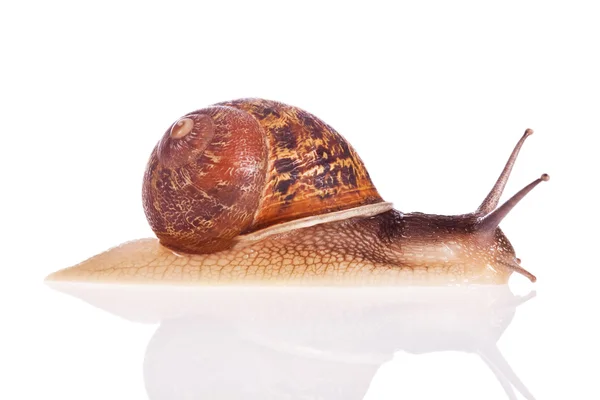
(311, 168)
(259, 163)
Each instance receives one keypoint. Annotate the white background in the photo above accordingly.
(433, 95)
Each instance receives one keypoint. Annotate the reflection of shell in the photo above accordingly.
(200, 357)
(334, 338)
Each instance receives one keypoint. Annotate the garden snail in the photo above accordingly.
(256, 191)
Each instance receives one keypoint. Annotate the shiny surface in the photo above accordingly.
(431, 94)
(139, 342)
(316, 342)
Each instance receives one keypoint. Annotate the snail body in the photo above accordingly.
(258, 191)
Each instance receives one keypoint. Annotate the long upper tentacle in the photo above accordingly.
(492, 199)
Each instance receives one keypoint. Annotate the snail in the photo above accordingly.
(257, 191)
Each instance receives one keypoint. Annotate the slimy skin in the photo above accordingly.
(389, 248)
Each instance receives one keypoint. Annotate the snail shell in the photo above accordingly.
(256, 191)
(245, 165)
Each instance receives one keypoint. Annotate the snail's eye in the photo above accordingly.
(181, 128)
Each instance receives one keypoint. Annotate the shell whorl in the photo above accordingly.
(246, 165)
(201, 190)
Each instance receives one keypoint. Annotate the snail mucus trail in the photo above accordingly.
(254, 191)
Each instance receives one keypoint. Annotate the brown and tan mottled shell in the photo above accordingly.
(311, 168)
(247, 165)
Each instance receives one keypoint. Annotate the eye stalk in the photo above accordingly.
(489, 217)
(492, 199)
(493, 219)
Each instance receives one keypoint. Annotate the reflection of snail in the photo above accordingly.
(197, 357)
(256, 190)
(228, 342)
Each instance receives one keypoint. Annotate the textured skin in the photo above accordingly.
(247, 165)
(385, 249)
(218, 189)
